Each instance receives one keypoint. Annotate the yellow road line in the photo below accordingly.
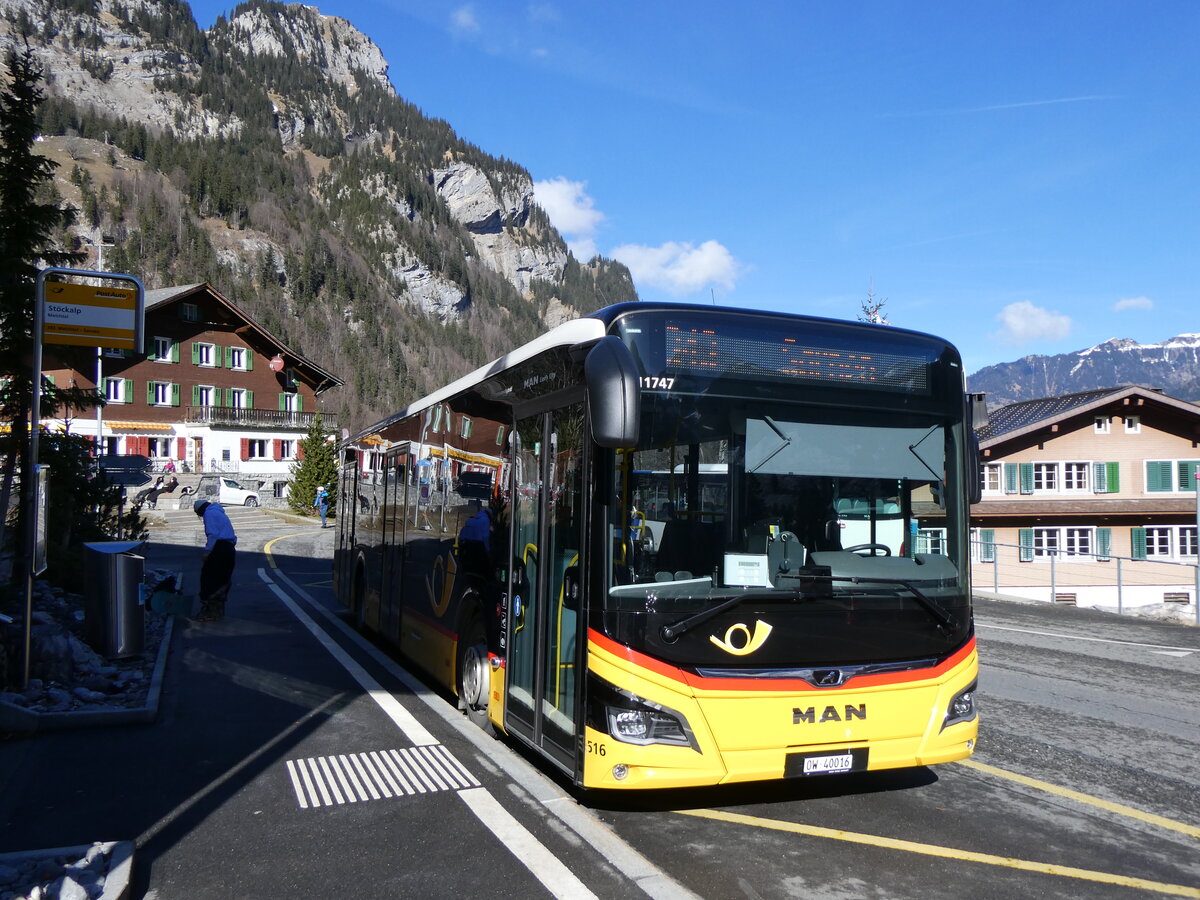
(1117, 808)
(271, 543)
(1176, 890)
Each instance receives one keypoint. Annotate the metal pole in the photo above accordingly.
(1053, 576)
(1196, 481)
(100, 245)
(29, 478)
(1120, 585)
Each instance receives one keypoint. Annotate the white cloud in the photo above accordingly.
(464, 19)
(680, 268)
(572, 212)
(1133, 303)
(1023, 322)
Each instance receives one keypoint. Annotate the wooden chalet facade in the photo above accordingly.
(1090, 498)
(214, 390)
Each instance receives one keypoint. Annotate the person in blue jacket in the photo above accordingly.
(322, 503)
(220, 555)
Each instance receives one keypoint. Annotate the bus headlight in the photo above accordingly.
(962, 706)
(646, 726)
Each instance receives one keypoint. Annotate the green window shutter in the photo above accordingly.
(174, 395)
(150, 392)
(1137, 538)
(127, 393)
(1158, 475)
(49, 379)
(195, 395)
(1100, 478)
(249, 399)
(1103, 543)
(195, 353)
(283, 402)
(1026, 478)
(248, 356)
(1010, 478)
(987, 545)
(299, 403)
(1025, 538)
(174, 351)
(1114, 477)
(228, 392)
(1187, 474)
(228, 353)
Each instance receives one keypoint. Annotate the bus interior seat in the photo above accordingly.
(689, 548)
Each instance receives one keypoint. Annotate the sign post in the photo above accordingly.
(65, 312)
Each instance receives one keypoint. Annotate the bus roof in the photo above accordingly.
(568, 334)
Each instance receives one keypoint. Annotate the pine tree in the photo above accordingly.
(316, 465)
(27, 226)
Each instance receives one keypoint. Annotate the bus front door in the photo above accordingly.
(542, 677)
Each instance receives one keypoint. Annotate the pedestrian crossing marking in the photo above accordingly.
(376, 775)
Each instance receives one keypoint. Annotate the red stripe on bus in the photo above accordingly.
(702, 683)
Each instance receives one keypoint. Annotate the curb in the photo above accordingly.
(18, 720)
(120, 863)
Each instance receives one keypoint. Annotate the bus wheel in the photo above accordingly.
(474, 674)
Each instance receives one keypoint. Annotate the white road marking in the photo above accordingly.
(548, 869)
(352, 777)
(1175, 651)
(596, 834)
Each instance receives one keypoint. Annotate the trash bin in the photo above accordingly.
(114, 615)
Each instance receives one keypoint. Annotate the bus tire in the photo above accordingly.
(474, 673)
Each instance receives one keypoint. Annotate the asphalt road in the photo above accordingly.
(1084, 783)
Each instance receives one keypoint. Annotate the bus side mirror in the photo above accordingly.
(614, 394)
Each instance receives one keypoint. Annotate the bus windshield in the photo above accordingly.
(822, 510)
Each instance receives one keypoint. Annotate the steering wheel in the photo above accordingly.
(887, 551)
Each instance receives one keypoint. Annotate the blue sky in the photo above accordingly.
(1017, 177)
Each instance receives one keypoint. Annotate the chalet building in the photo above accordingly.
(213, 392)
(1090, 498)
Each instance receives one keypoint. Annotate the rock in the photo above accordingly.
(57, 699)
(67, 888)
(88, 695)
(50, 653)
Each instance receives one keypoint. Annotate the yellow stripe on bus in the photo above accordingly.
(1175, 890)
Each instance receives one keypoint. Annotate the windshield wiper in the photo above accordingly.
(671, 632)
(944, 617)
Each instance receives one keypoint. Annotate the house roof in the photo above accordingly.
(1018, 419)
(322, 378)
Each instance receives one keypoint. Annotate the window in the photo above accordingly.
(465, 429)
(500, 436)
(289, 402)
(238, 398)
(118, 390)
(1166, 475)
(162, 393)
(257, 448)
(287, 449)
(1077, 541)
(160, 447)
(203, 354)
(932, 540)
(1100, 425)
(165, 350)
(1133, 425)
(990, 478)
(1045, 542)
(237, 358)
(204, 395)
(189, 312)
(1187, 540)
(1158, 542)
(1045, 476)
(1075, 476)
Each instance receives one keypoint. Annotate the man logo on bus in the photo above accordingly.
(747, 641)
(829, 714)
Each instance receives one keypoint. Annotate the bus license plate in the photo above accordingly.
(820, 765)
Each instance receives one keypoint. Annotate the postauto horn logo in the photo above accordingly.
(740, 640)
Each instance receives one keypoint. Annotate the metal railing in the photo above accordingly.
(252, 418)
(1084, 579)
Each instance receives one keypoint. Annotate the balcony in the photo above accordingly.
(247, 418)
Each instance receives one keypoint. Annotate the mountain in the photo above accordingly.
(272, 157)
(1173, 365)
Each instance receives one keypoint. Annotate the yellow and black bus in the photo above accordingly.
(495, 532)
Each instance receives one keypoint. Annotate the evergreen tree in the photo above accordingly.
(316, 465)
(28, 222)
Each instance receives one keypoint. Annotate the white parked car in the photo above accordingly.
(225, 491)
